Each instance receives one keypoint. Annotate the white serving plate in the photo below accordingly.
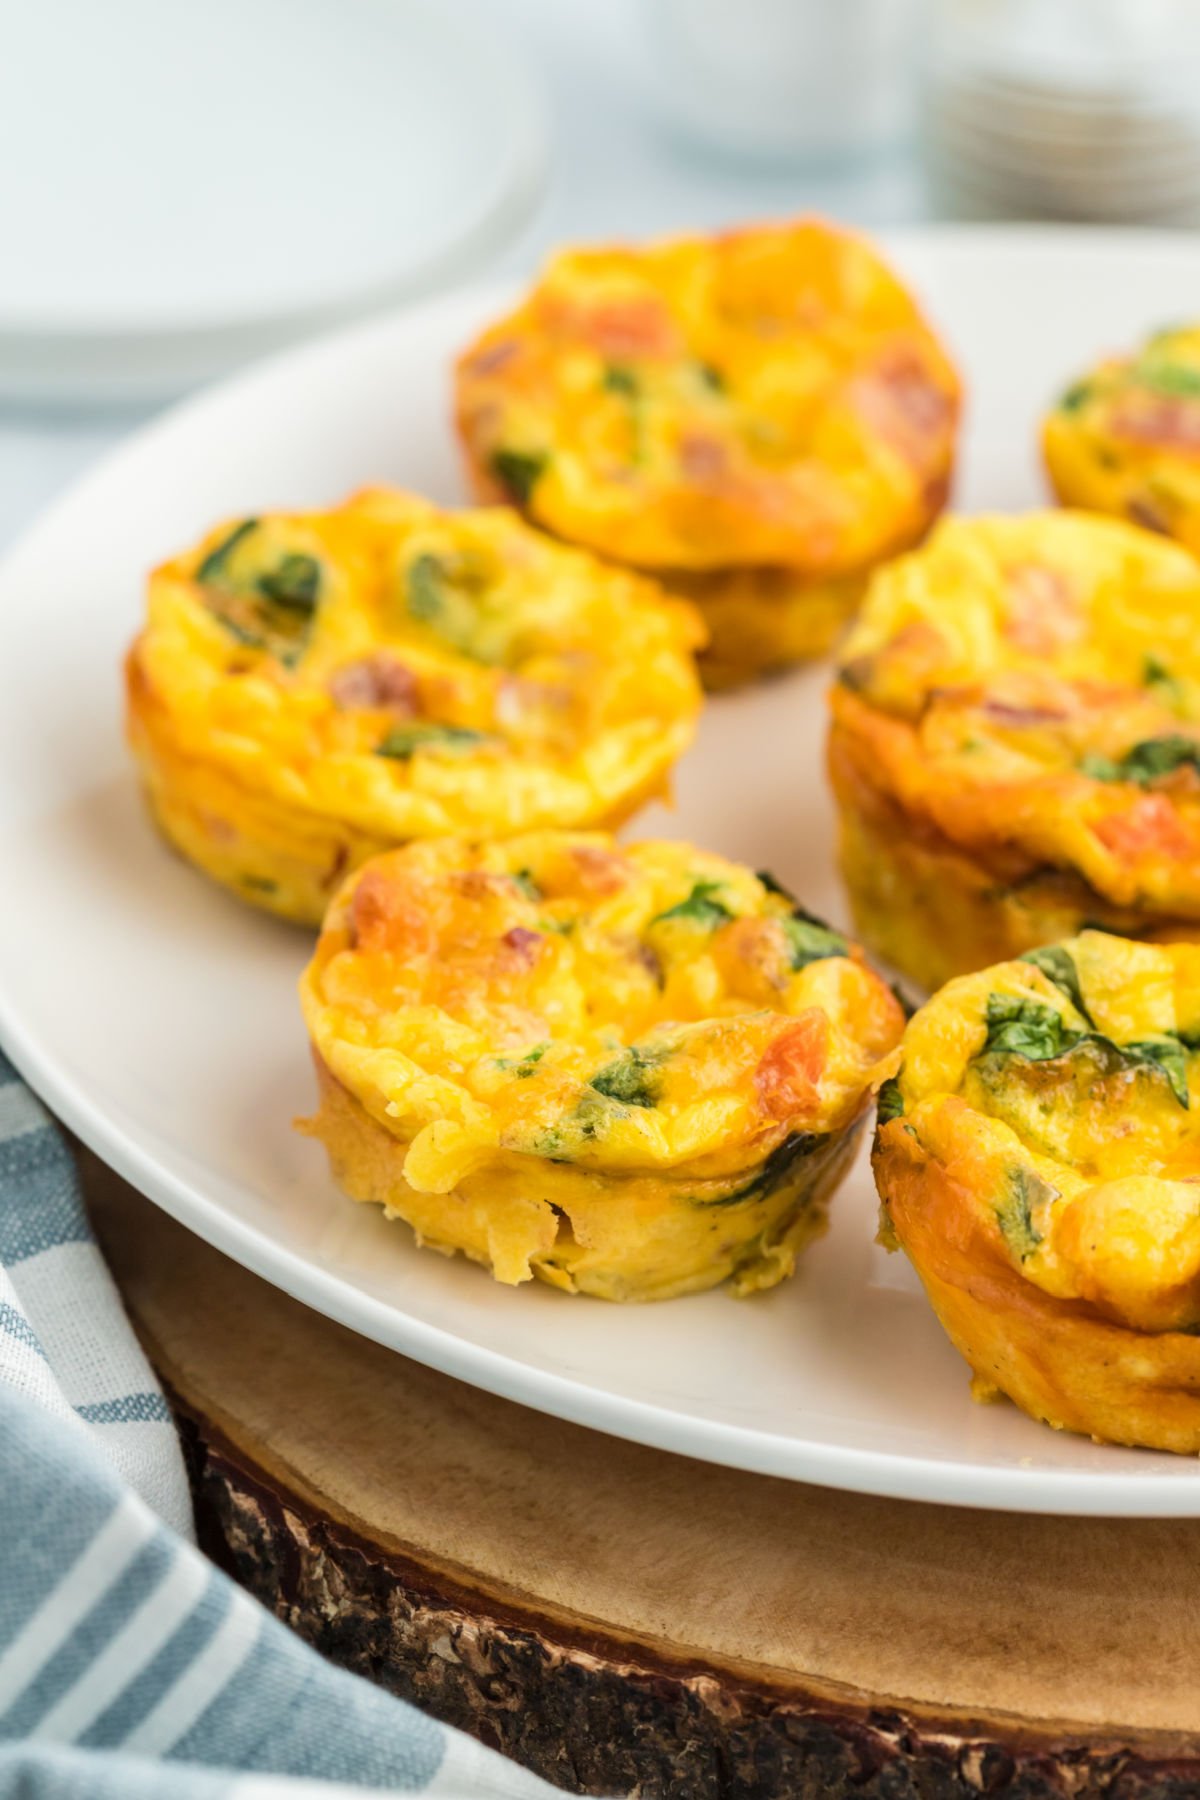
(237, 176)
(158, 1016)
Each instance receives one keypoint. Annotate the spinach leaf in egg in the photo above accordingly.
(1023, 1190)
(774, 1170)
(1033, 1032)
(522, 1067)
(404, 741)
(620, 380)
(1076, 397)
(889, 1102)
(1168, 1053)
(1028, 1028)
(518, 472)
(423, 584)
(294, 583)
(454, 595)
(1058, 966)
(633, 1078)
(810, 941)
(1147, 762)
(1158, 677)
(268, 607)
(702, 907)
(1171, 379)
(216, 563)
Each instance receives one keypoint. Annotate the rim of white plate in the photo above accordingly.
(890, 1474)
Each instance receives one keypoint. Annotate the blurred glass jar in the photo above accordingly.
(1064, 109)
(786, 79)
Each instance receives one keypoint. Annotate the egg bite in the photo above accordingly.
(756, 417)
(1125, 437)
(1038, 1159)
(1015, 742)
(633, 1072)
(313, 688)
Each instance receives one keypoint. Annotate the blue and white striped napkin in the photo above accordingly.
(130, 1667)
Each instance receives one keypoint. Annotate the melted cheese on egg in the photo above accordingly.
(591, 1028)
(1030, 689)
(309, 688)
(1124, 438)
(766, 396)
(1062, 1094)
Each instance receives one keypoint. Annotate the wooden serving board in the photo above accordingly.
(630, 1622)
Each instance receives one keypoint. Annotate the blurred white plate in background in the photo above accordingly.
(159, 1016)
(183, 186)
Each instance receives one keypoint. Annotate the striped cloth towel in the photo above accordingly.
(130, 1667)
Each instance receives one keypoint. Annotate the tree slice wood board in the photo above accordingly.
(627, 1621)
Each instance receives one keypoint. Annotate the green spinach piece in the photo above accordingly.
(809, 938)
(271, 610)
(1155, 673)
(1058, 966)
(423, 587)
(620, 380)
(523, 1066)
(518, 472)
(523, 880)
(774, 1169)
(216, 562)
(294, 584)
(702, 907)
(632, 1079)
(450, 595)
(1170, 1056)
(889, 1102)
(1028, 1028)
(810, 941)
(1146, 762)
(1038, 1033)
(404, 741)
(1024, 1189)
(1076, 397)
(1173, 380)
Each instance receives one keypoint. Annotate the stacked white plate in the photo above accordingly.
(183, 187)
(1065, 109)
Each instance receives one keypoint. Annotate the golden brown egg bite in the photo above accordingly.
(758, 416)
(1125, 438)
(1038, 1158)
(633, 1072)
(312, 688)
(1015, 744)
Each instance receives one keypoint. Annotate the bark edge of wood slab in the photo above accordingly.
(393, 1518)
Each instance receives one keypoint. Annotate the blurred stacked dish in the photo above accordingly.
(191, 187)
(1064, 109)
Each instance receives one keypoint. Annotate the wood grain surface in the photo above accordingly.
(628, 1621)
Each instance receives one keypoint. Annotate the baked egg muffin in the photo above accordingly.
(1038, 1158)
(633, 1072)
(313, 688)
(756, 417)
(1015, 742)
(1125, 438)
